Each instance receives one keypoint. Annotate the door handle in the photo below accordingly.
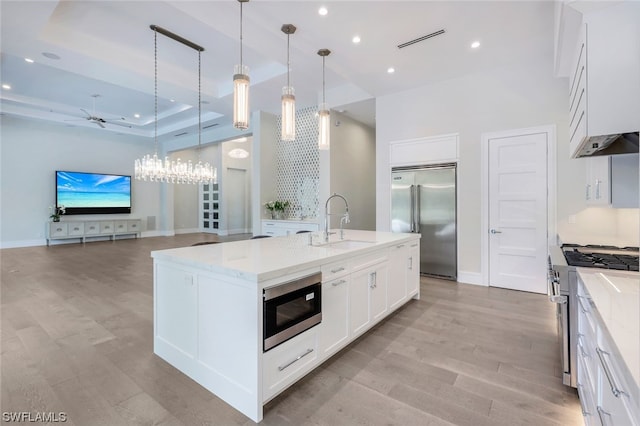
(495, 231)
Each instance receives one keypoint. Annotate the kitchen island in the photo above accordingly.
(208, 306)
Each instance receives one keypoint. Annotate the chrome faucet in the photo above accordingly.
(344, 219)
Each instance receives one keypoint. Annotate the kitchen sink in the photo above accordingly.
(349, 244)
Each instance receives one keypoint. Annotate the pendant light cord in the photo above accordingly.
(155, 87)
(199, 103)
(323, 101)
(241, 37)
(288, 63)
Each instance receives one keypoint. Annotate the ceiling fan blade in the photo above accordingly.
(99, 123)
(85, 111)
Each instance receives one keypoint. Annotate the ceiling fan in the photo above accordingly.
(99, 120)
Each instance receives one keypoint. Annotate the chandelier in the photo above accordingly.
(152, 168)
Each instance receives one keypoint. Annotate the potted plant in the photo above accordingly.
(276, 208)
(56, 213)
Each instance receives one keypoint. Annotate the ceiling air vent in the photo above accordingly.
(419, 39)
(210, 125)
(181, 134)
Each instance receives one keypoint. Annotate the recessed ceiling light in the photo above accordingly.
(475, 44)
(391, 70)
(28, 60)
(172, 100)
(356, 39)
(50, 55)
(323, 11)
(242, 139)
(6, 86)
(136, 115)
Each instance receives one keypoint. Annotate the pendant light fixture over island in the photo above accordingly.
(288, 132)
(241, 88)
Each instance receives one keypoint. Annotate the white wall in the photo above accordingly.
(520, 96)
(353, 162)
(30, 153)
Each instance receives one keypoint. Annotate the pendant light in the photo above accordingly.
(288, 132)
(241, 88)
(154, 169)
(324, 118)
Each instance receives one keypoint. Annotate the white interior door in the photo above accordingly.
(518, 211)
(237, 201)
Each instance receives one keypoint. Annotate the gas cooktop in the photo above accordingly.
(606, 257)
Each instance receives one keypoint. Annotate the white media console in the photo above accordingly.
(92, 228)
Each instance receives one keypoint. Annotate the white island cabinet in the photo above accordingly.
(208, 306)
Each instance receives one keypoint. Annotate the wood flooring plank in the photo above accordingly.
(77, 336)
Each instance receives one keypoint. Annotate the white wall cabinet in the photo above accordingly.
(94, 228)
(606, 392)
(604, 85)
(612, 181)
(278, 228)
(598, 181)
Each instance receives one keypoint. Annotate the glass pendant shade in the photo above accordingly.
(288, 114)
(241, 97)
(324, 126)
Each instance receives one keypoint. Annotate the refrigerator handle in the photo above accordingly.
(411, 208)
(416, 209)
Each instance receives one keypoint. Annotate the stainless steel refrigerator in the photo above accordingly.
(423, 200)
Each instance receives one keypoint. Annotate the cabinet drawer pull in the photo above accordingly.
(58, 229)
(581, 346)
(600, 414)
(587, 192)
(582, 307)
(335, 271)
(282, 367)
(337, 283)
(615, 389)
(585, 413)
(400, 246)
(414, 245)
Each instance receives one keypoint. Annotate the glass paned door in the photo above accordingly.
(209, 208)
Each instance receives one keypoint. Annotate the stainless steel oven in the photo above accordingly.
(561, 299)
(563, 290)
(291, 308)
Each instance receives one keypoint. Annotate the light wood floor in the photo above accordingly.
(76, 336)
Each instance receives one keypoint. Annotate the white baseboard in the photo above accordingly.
(474, 278)
(147, 234)
(22, 243)
(187, 231)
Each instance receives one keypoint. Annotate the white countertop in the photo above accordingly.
(616, 296)
(630, 240)
(266, 258)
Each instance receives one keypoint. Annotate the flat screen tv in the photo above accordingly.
(93, 193)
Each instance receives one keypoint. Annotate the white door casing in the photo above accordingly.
(518, 222)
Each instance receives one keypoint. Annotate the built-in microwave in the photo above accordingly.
(291, 308)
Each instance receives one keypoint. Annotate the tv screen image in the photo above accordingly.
(93, 193)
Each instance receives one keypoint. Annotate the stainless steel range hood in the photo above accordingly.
(620, 143)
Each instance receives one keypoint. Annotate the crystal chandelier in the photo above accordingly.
(288, 132)
(153, 169)
(324, 117)
(241, 88)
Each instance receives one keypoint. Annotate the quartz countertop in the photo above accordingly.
(616, 296)
(265, 258)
